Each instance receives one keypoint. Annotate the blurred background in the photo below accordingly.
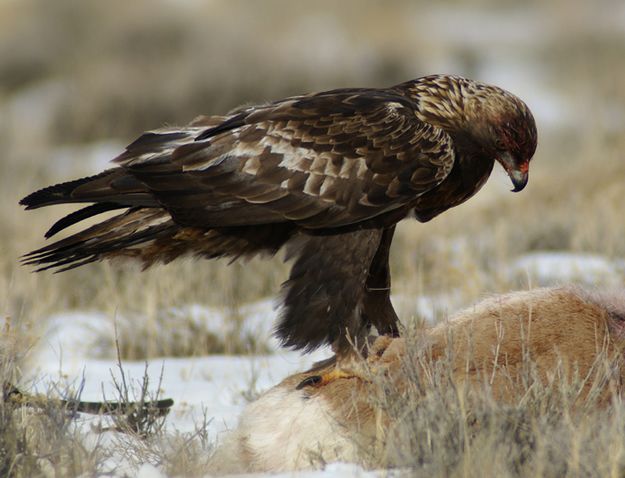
(81, 79)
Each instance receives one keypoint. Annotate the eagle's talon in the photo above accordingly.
(318, 381)
(312, 381)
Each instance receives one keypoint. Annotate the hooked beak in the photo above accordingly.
(518, 173)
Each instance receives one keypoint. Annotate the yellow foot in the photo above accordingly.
(318, 381)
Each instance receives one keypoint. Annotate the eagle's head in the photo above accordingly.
(487, 119)
(504, 128)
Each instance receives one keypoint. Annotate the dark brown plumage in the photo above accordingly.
(326, 174)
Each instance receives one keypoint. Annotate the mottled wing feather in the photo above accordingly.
(326, 160)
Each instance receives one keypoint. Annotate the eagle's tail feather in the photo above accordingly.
(133, 233)
(58, 193)
(113, 186)
(80, 215)
(150, 235)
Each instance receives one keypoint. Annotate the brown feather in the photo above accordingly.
(328, 174)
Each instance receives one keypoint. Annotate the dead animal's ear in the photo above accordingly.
(612, 304)
(616, 327)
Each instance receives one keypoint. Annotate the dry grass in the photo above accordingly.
(41, 441)
(96, 71)
(444, 428)
(433, 420)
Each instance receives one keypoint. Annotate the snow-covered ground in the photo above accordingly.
(215, 385)
(218, 387)
(554, 268)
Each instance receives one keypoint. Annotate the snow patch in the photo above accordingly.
(552, 268)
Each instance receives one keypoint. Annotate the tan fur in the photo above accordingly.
(493, 339)
(561, 329)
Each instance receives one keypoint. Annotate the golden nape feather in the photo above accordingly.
(326, 174)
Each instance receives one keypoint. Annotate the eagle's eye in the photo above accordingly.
(500, 145)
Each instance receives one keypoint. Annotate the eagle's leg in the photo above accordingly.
(324, 296)
(376, 309)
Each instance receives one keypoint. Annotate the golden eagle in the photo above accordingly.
(325, 175)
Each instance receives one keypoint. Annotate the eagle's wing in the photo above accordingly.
(321, 161)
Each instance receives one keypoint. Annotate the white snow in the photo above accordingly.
(216, 387)
(215, 384)
(553, 268)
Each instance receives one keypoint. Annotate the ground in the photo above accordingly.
(211, 391)
(80, 81)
